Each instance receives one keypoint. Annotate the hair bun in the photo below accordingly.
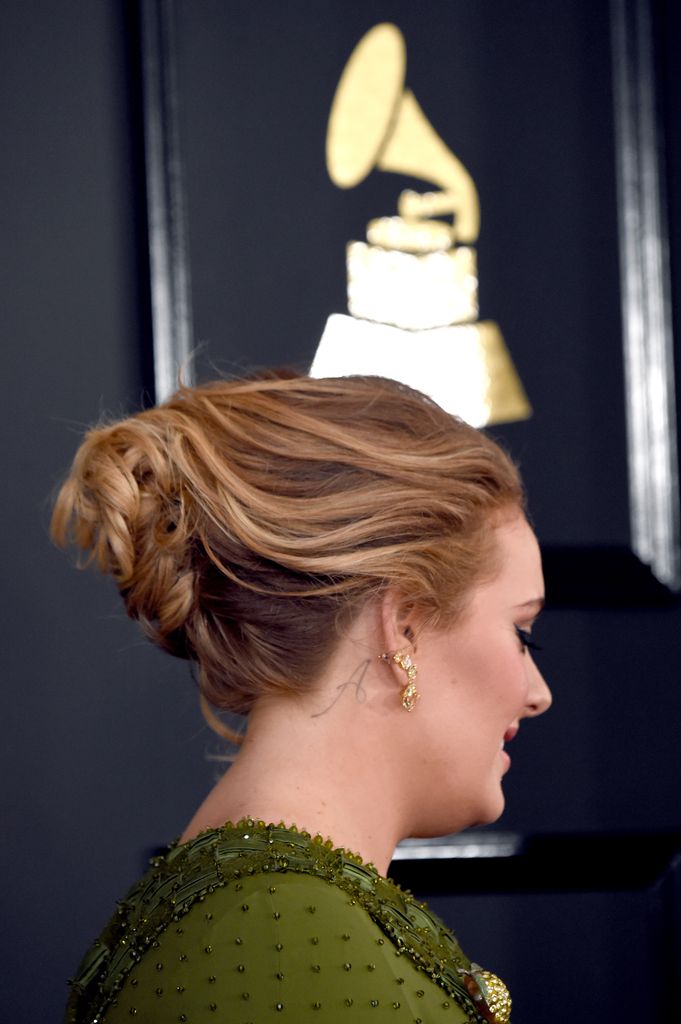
(123, 505)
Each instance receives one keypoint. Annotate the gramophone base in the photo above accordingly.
(465, 368)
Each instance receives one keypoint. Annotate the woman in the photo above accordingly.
(349, 567)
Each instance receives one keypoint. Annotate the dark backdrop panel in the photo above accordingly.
(524, 100)
(95, 726)
(547, 943)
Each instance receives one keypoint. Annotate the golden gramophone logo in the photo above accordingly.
(413, 284)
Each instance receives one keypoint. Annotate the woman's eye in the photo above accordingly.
(526, 640)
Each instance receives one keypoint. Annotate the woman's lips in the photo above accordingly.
(508, 736)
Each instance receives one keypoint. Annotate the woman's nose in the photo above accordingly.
(539, 698)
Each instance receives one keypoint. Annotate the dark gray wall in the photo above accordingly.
(103, 748)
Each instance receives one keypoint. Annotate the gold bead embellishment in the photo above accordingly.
(410, 694)
(491, 997)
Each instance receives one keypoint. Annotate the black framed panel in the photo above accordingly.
(607, 909)
(555, 117)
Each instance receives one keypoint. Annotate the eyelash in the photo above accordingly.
(526, 640)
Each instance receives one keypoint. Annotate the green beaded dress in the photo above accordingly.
(253, 923)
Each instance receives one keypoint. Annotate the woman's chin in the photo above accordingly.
(493, 812)
(452, 824)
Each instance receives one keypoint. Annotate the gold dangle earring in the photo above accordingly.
(409, 694)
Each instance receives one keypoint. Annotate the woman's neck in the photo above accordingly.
(325, 763)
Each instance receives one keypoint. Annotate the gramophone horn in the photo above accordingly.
(376, 122)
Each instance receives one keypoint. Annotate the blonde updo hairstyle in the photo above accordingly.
(246, 521)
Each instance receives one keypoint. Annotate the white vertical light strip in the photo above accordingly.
(169, 267)
(645, 292)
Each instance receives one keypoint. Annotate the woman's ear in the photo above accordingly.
(399, 637)
(397, 619)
